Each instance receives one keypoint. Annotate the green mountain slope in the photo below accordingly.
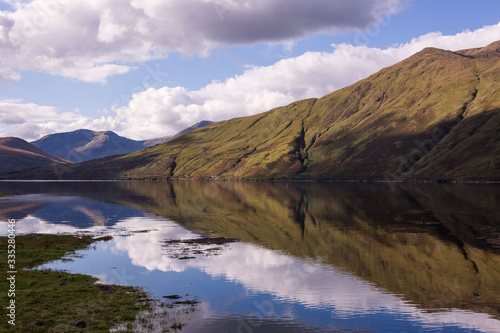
(432, 116)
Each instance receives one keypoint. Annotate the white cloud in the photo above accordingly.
(70, 37)
(165, 111)
(35, 120)
(109, 31)
(14, 112)
(8, 75)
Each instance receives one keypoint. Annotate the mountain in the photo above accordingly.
(83, 145)
(200, 124)
(433, 116)
(16, 153)
(157, 141)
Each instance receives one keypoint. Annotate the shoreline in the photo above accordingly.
(60, 300)
(158, 179)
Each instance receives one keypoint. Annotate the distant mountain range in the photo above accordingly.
(16, 153)
(83, 145)
(434, 116)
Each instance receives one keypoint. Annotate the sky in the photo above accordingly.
(150, 68)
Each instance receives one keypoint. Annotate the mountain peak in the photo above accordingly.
(83, 144)
(17, 153)
(490, 51)
(11, 141)
(436, 52)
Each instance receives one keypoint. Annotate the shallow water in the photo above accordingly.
(312, 257)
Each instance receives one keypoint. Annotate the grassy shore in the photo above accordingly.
(53, 301)
(6, 194)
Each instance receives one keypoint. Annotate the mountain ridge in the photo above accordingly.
(432, 116)
(16, 153)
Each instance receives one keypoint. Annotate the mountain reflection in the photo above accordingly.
(77, 212)
(436, 245)
(304, 281)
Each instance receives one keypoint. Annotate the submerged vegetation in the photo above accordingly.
(53, 301)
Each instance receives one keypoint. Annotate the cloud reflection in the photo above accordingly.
(288, 278)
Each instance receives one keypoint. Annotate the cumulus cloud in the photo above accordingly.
(95, 39)
(14, 112)
(167, 110)
(35, 120)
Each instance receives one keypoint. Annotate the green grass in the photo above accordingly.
(53, 301)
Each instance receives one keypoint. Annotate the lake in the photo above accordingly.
(294, 257)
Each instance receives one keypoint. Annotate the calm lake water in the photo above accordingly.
(311, 257)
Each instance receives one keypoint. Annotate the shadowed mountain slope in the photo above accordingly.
(433, 116)
(16, 153)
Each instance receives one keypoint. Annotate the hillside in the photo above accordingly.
(200, 124)
(16, 153)
(157, 141)
(433, 116)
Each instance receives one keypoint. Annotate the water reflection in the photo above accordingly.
(317, 256)
(74, 211)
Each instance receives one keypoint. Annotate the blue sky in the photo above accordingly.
(146, 69)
